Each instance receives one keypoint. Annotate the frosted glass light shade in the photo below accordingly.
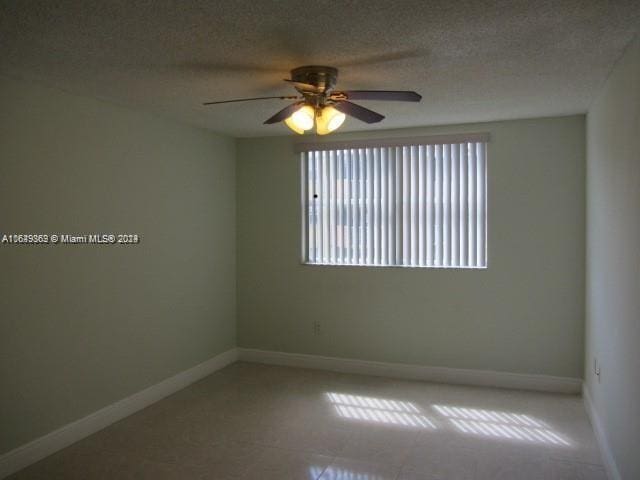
(329, 120)
(301, 120)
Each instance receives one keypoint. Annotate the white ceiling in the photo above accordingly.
(471, 60)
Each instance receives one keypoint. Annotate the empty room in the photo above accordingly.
(332, 240)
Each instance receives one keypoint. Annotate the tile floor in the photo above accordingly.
(252, 421)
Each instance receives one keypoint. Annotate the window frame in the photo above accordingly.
(436, 140)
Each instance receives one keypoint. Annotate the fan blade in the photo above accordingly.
(385, 95)
(290, 97)
(285, 113)
(356, 111)
(303, 86)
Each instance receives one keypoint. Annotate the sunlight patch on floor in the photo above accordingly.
(495, 424)
(500, 424)
(379, 410)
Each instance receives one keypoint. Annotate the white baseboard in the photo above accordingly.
(484, 378)
(42, 447)
(605, 450)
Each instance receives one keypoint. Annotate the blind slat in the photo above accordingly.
(340, 209)
(332, 208)
(318, 211)
(304, 181)
(446, 224)
(421, 206)
(455, 223)
(391, 201)
(414, 205)
(480, 205)
(363, 219)
(438, 224)
(472, 204)
(376, 207)
(369, 207)
(356, 206)
(311, 233)
(399, 218)
(431, 237)
(383, 206)
(463, 205)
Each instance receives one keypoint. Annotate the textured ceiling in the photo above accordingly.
(471, 60)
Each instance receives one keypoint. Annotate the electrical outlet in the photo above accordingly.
(316, 328)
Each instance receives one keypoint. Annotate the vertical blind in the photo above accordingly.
(415, 205)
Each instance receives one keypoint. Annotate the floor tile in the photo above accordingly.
(380, 445)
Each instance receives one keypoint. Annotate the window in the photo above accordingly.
(403, 202)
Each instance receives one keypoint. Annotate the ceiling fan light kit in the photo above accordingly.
(320, 105)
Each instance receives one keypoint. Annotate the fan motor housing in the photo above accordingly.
(323, 78)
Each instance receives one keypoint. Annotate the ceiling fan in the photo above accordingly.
(319, 104)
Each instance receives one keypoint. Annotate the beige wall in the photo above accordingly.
(523, 314)
(84, 326)
(613, 260)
